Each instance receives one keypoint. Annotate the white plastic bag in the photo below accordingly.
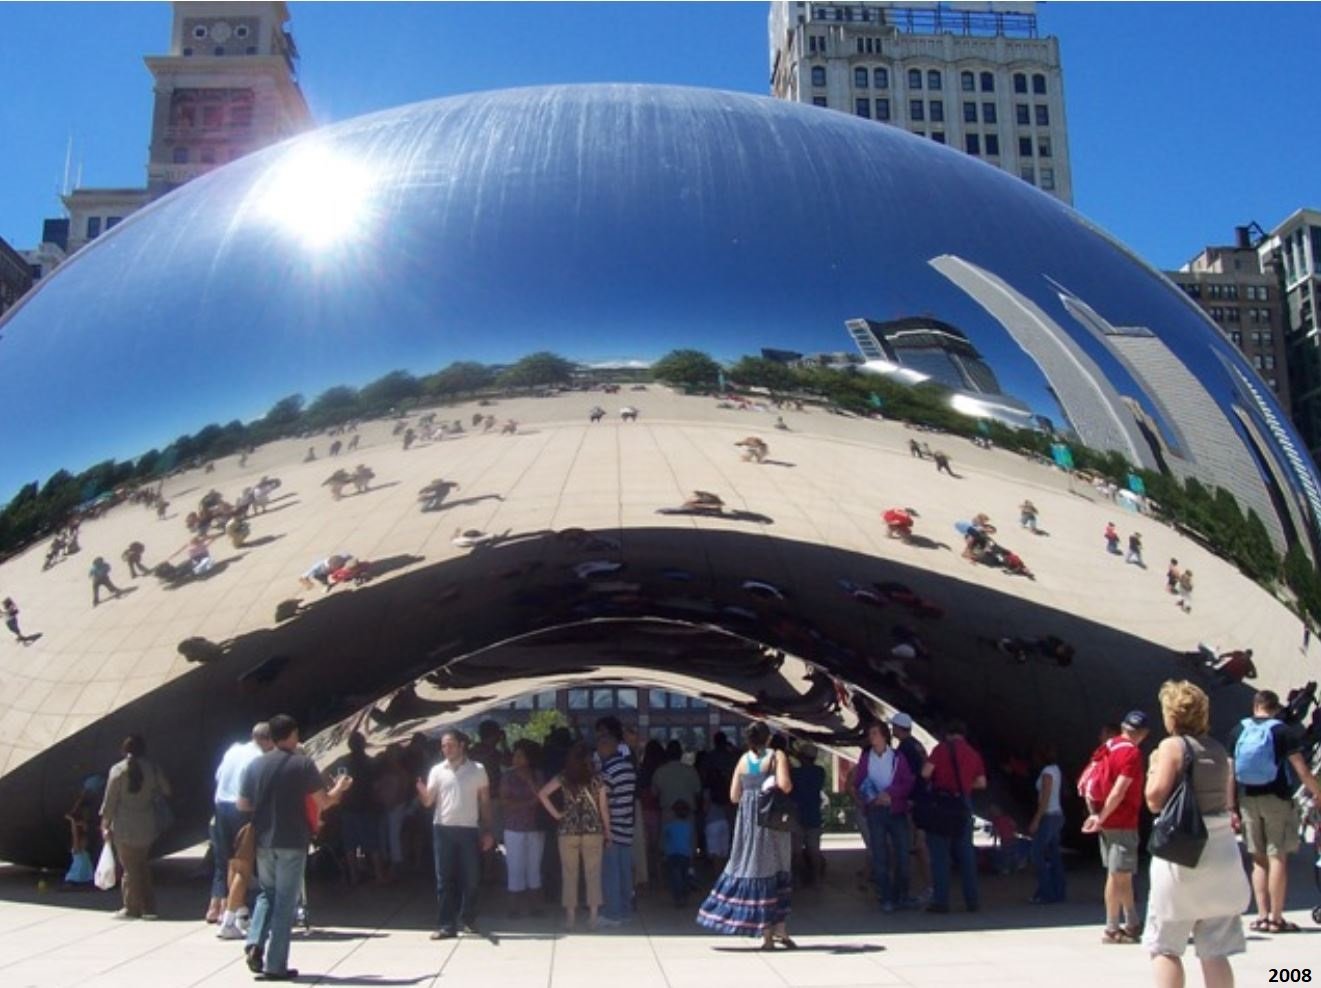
(105, 877)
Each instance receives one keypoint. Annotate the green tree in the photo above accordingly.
(538, 726)
(689, 369)
(332, 405)
(536, 370)
(460, 377)
(759, 372)
(387, 391)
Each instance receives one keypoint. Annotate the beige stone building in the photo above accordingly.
(975, 76)
(228, 86)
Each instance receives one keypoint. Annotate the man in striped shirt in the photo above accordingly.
(620, 779)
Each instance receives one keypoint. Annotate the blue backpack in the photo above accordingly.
(1254, 753)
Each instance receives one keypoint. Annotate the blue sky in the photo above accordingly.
(1185, 119)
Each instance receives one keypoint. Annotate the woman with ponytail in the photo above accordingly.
(129, 822)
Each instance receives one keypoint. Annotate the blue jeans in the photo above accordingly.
(676, 876)
(280, 874)
(458, 874)
(1047, 859)
(617, 880)
(958, 849)
(223, 832)
(888, 843)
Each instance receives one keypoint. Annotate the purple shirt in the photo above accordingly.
(518, 798)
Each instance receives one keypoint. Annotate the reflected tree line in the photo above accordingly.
(1213, 514)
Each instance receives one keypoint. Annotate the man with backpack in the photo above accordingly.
(1268, 766)
(1116, 820)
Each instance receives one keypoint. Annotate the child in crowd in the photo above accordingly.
(1010, 850)
(677, 847)
(80, 817)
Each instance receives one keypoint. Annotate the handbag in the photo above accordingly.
(940, 813)
(776, 809)
(1179, 833)
(105, 876)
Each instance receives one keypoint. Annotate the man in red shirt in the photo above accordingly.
(954, 767)
(1117, 823)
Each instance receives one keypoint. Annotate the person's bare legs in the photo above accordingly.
(1260, 886)
(1167, 971)
(1277, 883)
(1119, 903)
(1216, 972)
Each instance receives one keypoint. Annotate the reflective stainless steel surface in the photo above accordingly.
(542, 545)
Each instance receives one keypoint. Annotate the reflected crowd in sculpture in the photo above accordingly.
(641, 385)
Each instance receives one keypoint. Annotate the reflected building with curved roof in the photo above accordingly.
(415, 295)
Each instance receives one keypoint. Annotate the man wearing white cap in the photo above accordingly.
(901, 725)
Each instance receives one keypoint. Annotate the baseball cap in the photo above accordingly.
(1135, 719)
(902, 720)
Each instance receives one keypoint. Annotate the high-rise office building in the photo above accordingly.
(1291, 253)
(1244, 301)
(975, 76)
(228, 87)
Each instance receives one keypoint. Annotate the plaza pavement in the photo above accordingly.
(377, 936)
(832, 477)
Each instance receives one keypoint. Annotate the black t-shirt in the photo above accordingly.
(717, 770)
(361, 797)
(277, 784)
(1286, 743)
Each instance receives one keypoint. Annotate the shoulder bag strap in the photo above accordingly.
(958, 777)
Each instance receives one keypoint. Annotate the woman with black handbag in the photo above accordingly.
(1198, 887)
(751, 896)
(954, 770)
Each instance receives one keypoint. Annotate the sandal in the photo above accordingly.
(1117, 935)
(1282, 926)
(788, 944)
(1134, 934)
(1261, 924)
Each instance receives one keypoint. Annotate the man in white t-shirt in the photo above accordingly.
(229, 893)
(459, 790)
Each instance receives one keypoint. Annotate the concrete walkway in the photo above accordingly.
(377, 936)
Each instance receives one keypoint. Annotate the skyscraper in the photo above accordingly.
(975, 76)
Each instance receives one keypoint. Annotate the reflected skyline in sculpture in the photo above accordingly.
(548, 339)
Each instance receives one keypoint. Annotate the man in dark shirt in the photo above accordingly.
(1267, 815)
(809, 779)
(275, 790)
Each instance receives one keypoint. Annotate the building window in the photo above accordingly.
(861, 48)
(938, 136)
(992, 146)
(1025, 147)
(211, 116)
(180, 156)
(579, 699)
(988, 82)
(199, 31)
(914, 78)
(187, 52)
(547, 700)
(251, 49)
(1020, 82)
(933, 79)
(1023, 115)
(937, 109)
(241, 31)
(1043, 147)
(919, 133)
(1236, 338)
(93, 227)
(972, 143)
(603, 699)
(860, 78)
(240, 115)
(1257, 361)
(818, 75)
(862, 107)
(882, 109)
(1039, 84)
(1231, 292)
(1028, 174)
(880, 78)
(915, 109)
(217, 51)
(967, 82)
(969, 112)
(819, 101)
(113, 221)
(1269, 361)
(1048, 178)
(1043, 115)
(626, 699)
(1232, 314)
(988, 113)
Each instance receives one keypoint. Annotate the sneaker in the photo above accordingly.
(606, 923)
(286, 975)
(300, 918)
(444, 935)
(471, 930)
(150, 916)
(229, 931)
(253, 957)
(125, 914)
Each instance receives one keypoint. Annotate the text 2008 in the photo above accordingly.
(1290, 975)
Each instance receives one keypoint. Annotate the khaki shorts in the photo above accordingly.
(1119, 850)
(1270, 825)
(1217, 937)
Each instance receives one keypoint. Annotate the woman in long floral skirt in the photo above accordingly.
(751, 896)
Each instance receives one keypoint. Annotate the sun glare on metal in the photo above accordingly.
(319, 196)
